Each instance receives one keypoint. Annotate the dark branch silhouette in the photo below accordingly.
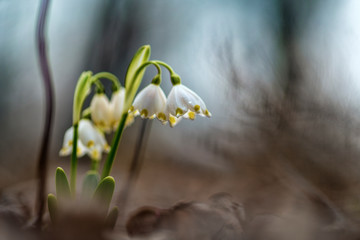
(45, 70)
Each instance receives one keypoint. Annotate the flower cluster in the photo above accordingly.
(181, 103)
(91, 141)
(150, 102)
(105, 116)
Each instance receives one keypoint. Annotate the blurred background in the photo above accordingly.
(280, 77)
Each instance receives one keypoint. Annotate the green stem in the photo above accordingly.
(172, 72)
(74, 160)
(175, 78)
(133, 87)
(114, 146)
(109, 76)
(157, 79)
(143, 66)
(157, 66)
(99, 86)
(95, 164)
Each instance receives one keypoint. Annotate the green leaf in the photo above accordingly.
(132, 78)
(62, 184)
(82, 89)
(141, 56)
(104, 191)
(90, 183)
(52, 206)
(111, 218)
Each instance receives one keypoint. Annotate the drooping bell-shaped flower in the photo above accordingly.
(101, 112)
(68, 145)
(117, 104)
(183, 102)
(150, 103)
(91, 141)
(117, 108)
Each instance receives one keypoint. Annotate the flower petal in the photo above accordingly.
(67, 147)
(91, 136)
(174, 104)
(174, 120)
(81, 149)
(117, 104)
(183, 102)
(101, 113)
(95, 152)
(150, 103)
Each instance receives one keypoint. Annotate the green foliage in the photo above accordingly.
(82, 90)
(90, 183)
(134, 75)
(52, 206)
(96, 190)
(103, 193)
(62, 185)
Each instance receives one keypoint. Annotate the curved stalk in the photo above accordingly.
(45, 70)
(110, 77)
(134, 85)
(174, 78)
(172, 72)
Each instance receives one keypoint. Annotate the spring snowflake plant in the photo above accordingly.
(86, 136)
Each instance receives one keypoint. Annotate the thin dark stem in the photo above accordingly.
(42, 162)
(135, 165)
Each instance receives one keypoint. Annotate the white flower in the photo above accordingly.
(183, 102)
(117, 108)
(150, 103)
(101, 112)
(91, 141)
(117, 104)
(68, 145)
(93, 138)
